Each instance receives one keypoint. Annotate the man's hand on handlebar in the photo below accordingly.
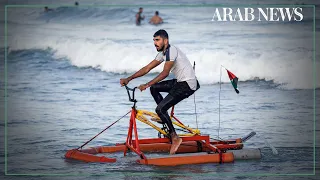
(143, 87)
(124, 81)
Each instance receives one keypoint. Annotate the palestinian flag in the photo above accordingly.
(234, 80)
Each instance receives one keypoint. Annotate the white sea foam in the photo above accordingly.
(282, 53)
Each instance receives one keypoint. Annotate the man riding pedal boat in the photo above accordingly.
(184, 84)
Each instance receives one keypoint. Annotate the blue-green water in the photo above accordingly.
(63, 71)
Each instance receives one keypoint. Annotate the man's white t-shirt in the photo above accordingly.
(182, 68)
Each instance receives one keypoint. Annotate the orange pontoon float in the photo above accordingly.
(196, 148)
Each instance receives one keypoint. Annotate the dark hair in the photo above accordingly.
(162, 33)
(157, 13)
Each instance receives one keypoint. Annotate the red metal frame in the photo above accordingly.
(133, 145)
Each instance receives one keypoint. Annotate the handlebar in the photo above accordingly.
(131, 89)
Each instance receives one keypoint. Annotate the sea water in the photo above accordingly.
(61, 79)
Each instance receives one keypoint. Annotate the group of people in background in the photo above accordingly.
(156, 19)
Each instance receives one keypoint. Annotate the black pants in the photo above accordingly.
(177, 92)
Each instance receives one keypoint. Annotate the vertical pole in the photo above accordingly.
(219, 102)
(137, 146)
(194, 96)
(129, 137)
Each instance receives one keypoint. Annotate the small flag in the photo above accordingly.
(234, 80)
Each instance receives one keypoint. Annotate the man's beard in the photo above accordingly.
(161, 49)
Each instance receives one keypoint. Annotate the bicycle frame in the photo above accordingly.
(141, 116)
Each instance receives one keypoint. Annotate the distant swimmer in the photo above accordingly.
(76, 3)
(156, 19)
(139, 17)
(46, 9)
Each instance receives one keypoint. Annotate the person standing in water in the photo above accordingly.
(139, 17)
(156, 19)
